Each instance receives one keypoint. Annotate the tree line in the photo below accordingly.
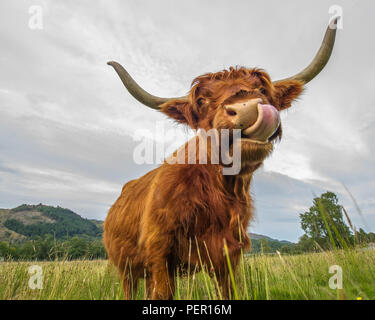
(47, 248)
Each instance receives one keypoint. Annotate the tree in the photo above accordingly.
(364, 238)
(306, 244)
(265, 246)
(324, 223)
(44, 247)
(77, 248)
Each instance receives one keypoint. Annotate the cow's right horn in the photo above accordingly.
(135, 89)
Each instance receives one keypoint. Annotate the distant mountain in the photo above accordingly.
(27, 222)
(269, 245)
(256, 236)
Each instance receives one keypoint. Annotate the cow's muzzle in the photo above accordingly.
(257, 121)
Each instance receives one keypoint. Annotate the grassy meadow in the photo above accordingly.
(264, 277)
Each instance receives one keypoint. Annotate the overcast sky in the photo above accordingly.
(67, 124)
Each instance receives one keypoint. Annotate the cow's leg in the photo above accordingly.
(129, 275)
(161, 267)
(162, 284)
(157, 241)
(225, 285)
(146, 284)
(130, 287)
(224, 280)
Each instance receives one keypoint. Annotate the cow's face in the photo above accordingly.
(244, 99)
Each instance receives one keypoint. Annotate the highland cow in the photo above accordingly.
(180, 215)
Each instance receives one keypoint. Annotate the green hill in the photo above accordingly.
(30, 221)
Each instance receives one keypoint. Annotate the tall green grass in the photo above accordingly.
(257, 277)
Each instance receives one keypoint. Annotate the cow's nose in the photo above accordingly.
(243, 114)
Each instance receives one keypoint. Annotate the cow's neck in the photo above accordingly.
(238, 185)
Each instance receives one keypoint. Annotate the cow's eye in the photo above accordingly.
(262, 91)
(200, 102)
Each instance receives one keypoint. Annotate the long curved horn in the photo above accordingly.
(136, 91)
(321, 58)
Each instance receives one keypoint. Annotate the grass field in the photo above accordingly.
(258, 277)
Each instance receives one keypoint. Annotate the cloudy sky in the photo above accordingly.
(67, 124)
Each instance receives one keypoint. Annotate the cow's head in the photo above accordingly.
(238, 98)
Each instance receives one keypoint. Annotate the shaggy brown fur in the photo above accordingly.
(178, 214)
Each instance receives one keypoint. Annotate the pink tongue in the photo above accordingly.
(267, 123)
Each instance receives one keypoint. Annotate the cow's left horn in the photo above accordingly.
(321, 58)
(136, 91)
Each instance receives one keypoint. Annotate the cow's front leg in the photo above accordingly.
(162, 283)
(223, 280)
(158, 248)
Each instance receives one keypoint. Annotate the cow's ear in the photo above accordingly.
(181, 111)
(286, 92)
